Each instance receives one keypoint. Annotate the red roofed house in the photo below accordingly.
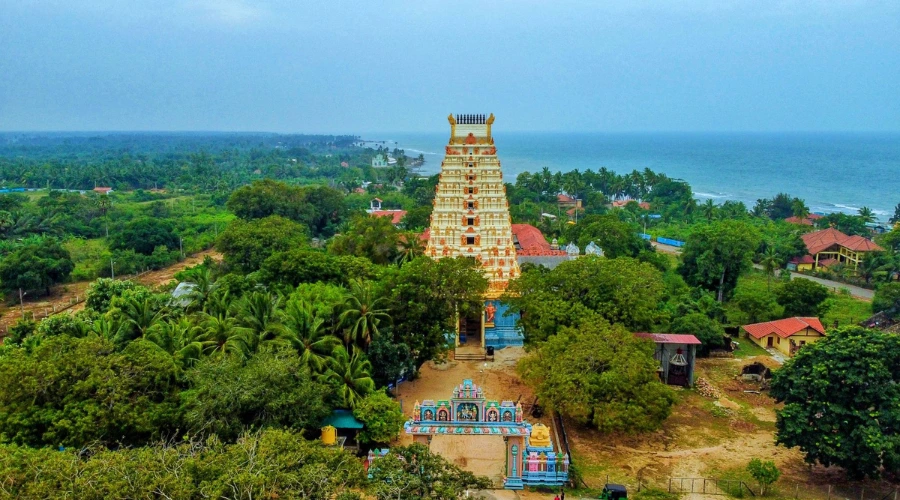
(624, 203)
(676, 355)
(830, 246)
(565, 202)
(375, 210)
(809, 220)
(102, 190)
(787, 335)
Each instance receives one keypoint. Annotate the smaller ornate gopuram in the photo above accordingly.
(530, 459)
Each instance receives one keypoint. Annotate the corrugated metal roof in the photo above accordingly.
(342, 419)
(670, 338)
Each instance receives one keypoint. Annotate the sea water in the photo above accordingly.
(831, 172)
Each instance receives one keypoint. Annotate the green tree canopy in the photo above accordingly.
(143, 235)
(601, 375)
(621, 290)
(374, 238)
(424, 297)
(272, 389)
(617, 238)
(268, 464)
(35, 266)
(76, 391)
(382, 417)
(716, 254)
(707, 330)
(802, 297)
(887, 298)
(247, 244)
(841, 400)
(414, 472)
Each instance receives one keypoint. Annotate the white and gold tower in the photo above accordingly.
(471, 214)
(471, 219)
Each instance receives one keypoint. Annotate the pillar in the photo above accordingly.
(515, 452)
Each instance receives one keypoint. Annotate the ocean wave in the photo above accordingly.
(419, 151)
(711, 195)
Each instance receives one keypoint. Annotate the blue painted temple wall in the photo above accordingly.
(505, 332)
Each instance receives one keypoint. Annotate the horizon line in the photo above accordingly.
(529, 131)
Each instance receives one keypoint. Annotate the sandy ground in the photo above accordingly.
(62, 296)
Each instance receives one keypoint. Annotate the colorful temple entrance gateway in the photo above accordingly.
(471, 219)
(530, 459)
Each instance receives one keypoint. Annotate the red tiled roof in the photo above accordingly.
(784, 328)
(377, 199)
(564, 198)
(814, 216)
(821, 240)
(102, 189)
(426, 234)
(532, 241)
(395, 215)
(860, 244)
(806, 259)
(797, 220)
(670, 338)
(623, 203)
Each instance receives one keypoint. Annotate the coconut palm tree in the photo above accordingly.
(410, 247)
(351, 374)
(107, 326)
(182, 339)
(865, 213)
(799, 209)
(224, 334)
(769, 262)
(362, 314)
(258, 311)
(708, 210)
(306, 333)
(138, 316)
(204, 285)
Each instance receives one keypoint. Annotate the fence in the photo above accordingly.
(783, 489)
(671, 243)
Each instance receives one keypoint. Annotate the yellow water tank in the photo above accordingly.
(329, 435)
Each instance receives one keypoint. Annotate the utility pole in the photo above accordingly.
(112, 270)
(181, 246)
(22, 302)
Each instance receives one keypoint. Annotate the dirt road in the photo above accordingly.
(70, 296)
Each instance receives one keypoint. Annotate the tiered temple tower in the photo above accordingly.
(471, 219)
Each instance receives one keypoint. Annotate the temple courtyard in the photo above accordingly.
(713, 432)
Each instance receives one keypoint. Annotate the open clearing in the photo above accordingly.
(705, 437)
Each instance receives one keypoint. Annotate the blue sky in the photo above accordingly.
(363, 67)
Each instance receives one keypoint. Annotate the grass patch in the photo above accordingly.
(87, 255)
(846, 310)
(747, 349)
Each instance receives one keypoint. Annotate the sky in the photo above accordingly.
(403, 66)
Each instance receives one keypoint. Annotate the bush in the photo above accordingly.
(765, 473)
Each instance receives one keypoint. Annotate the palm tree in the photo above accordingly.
(306, 333)
(182, 339)
(258, 312)
(107, 326)
(865, 213)
(410, 247)
(351, 374)
(138, 316)
(708, 210)
(869, 265)
(204, 285)
(769, 262)
(224, 334)
(799, 209)
(361, 313)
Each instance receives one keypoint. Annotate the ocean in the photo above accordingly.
(831, 172)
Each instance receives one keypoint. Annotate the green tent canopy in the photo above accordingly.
(342, 419)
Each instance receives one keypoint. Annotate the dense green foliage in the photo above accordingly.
(765, 473)
(382, 417)
(270, 464)
(621, 290)
(75, 391)
(802, 297)
(601, 375)
(841, 400)
(413, 472)
(35, 266)
(715, 255)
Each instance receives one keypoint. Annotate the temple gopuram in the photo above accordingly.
(471, 219)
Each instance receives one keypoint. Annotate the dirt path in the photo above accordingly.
(63, 296)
